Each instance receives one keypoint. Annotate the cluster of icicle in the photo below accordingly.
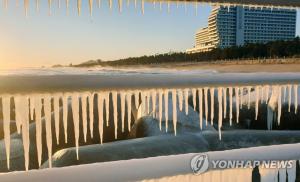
(26, 4)
(29, 106)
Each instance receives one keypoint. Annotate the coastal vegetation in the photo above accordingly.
(270, 50)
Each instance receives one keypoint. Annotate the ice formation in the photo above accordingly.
(31, 107)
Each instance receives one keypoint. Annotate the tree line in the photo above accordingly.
(275, 49)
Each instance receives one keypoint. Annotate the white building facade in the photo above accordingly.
(237, 26)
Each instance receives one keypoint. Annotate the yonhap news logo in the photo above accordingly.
(200, 164)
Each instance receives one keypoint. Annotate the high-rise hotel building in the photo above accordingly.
(236, 26)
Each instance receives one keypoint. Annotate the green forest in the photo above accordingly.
(276, 49)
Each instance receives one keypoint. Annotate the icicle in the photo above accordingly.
(137, 98)
(106, 99)
(262, 94)
(241, 97)
(37, 5)
(194, 93)
(279, 105)
(220, 117)
(91, 7)
(120, 3)
(143, 7)
(84, 114)
(148, 101)
(174, 95)
(135, 4)
(128, 99)
(5, 4)
(37, 101)
(75, 111)
(206, 104)
(290, 97)
(154, 4)
(186, 99)
(169, 6)
(100, 116)
(153, 93)
(26, 7)
(6, 126)
(256, 101)
(284, 93)
(267, 93)
(65, 115)
(282, 174)
(296, 98)
(56, 116)
(50, 6)
(143, 100)
(225, 101)
(237, 107)
(79, 7)
(166, 98)
(160, 94)
(249, 96)
(185, 6)
(292, 172)
(160, 5)
(196, 8)
(47, 110)
(230, 105)
(200, 92)
(128, 3)
(91, 112)
(31, 106)
(67, 7)
(115, 106)
(212, 104)
(99, 4)
(180, 99)
(123, 96)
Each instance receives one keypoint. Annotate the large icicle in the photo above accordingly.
(137, 98)
(160, 94)
(153, 95)
(38, 124)
(225, 101)
(65, 115)
(166, 99)
(237, 101)
(290, 97)
(256, 101)
(100, 116)
(220, 117)
(174, 98)
(206, 104)
(84, 114)
(120, 2)
(91, 112)
(296, 98)
(284, 93)
(79, 7)
(47, 110)
(212, 104)
(56, 115)
(241, 97)
(31, 106)
(147, 93)
(267, 92)
(22, 119)
(186, 99)
(194, 92)
(123, 97)
(180, 99)
(200, 92)
(91, 7)
(50, 6)
(106, 100)
(75, 111)
(230, 105)
(6, 126)
(115, 106)
(249, 96)
(279, 105)
(128, 99)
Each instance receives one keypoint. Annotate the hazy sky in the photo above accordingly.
(43, 40)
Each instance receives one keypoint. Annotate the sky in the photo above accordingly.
(39, 40)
